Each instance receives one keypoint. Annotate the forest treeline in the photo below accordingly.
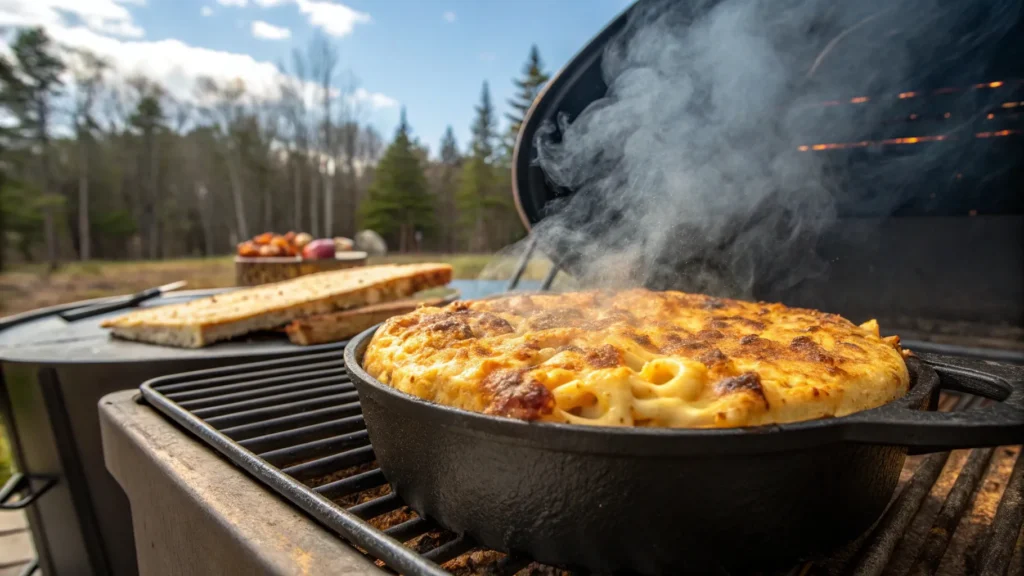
(98, 165)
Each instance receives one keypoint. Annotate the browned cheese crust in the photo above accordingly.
(639, 358)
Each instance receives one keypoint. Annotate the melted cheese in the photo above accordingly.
(638, 358)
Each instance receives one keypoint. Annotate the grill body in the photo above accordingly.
(196, 511)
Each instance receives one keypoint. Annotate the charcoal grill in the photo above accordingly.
(295, 424)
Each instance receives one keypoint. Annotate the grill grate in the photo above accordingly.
(296, 425)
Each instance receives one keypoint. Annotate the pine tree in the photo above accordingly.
(449, 148)
(477, 182)
(528, 87)
(148, 119)
(398, 201)
(484, 127)
(447, 208)
(30, 84)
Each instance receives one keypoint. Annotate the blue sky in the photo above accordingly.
(430, 56)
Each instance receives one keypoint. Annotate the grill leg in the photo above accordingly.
(524, 261)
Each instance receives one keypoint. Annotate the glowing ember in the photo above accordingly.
(946, 115)
(946, 90)
(899, 141)
(997, 134)
(1012, 104)
(991, 116)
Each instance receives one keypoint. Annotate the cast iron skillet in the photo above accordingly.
(667, 501)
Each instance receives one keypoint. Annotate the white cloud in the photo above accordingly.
(206, 11)
(335, 19)
(239, 3)
(376, 100)
(267, 31)
(172, 63)
(449, 16)
(103, 16)
(487, 56)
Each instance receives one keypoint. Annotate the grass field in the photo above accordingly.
(29, 286)
(6, 466)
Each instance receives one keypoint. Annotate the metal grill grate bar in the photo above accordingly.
(282, 385)
(450, 550)
(352, 484)
(286, 375)
(244, 372)
(410, 529)
(510, 565)
(251, 416)
(292, 421)
(1006, 525)
(321, 387)
(956, 504)
(324, 466)
(304, 434)
(374, 508)
(901, 512)
(316, 449)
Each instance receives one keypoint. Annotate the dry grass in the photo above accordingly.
(6, 460)
(29, 287)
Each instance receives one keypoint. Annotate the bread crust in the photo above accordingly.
(201, 322)
(339, 326)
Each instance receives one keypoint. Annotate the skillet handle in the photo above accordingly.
(1001, 424)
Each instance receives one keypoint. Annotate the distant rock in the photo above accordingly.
(370, 242)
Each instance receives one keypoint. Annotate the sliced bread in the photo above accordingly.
(339, 326)
(201, 322)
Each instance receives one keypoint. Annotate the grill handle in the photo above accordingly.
(30, 487)
(927, 431)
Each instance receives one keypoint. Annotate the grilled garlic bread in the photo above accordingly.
(638, 358)
(201, 322)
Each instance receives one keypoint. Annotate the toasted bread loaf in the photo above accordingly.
(339, 326)
(201, 322)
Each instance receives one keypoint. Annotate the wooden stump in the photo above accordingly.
(256, 271)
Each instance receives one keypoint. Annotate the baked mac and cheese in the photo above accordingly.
(638, 358)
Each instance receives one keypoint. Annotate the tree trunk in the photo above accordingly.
(328, 205)
(84, 235)
(297, 193)
(49, 229)
(236, 195)
(314, 200)
(268, 207)
(153, 233)
(206, 217)
(351, 198)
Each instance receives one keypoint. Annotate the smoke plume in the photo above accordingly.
(688, 174)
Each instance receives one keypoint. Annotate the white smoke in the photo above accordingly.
(687, 173)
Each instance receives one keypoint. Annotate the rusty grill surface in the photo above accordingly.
(296, 425)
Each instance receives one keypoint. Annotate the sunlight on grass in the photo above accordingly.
(6, 459)
(28, 286)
